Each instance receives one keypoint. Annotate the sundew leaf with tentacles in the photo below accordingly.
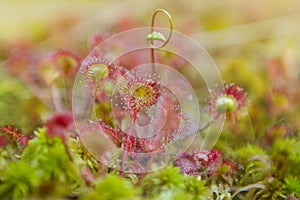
(144, 145)
(158, 110)
(134, 97)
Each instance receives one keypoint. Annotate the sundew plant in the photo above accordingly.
(132, 112)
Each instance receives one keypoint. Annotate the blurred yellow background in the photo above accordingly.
(236, 21)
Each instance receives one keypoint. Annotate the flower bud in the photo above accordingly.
(226, 104)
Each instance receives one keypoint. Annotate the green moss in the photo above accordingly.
(293, 186)
(169, 183)
(18, 180)
(112, 188)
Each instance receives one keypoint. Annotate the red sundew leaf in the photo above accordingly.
(59, 124)
(187, 163)
(214, 156)
(237, 92)
(194, 162)
(14, 135)
(142, 93)
(134, 144)
(99, 67)
(232, 91)
(134, 93)
(92, 64)
(115, 135)
(233, 166)
(23, 140)
(3, 141)
(101, 75)
(67, 62)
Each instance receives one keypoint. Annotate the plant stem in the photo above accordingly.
(206, 125)
(153, 60)
(126, 143)
(56, 97)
